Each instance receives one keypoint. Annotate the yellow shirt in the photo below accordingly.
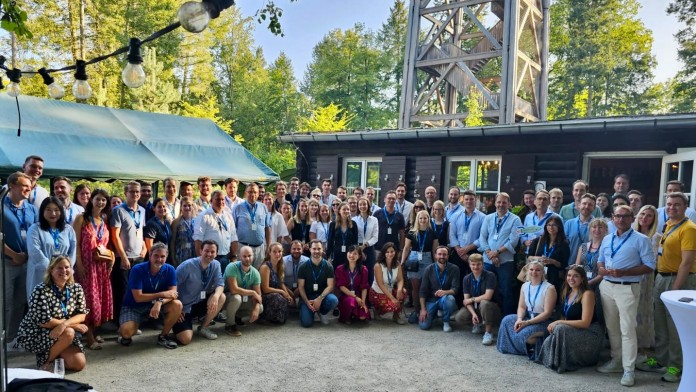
(683, 238)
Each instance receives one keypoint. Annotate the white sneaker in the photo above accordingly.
(628, 379)
(477, 329)
(487, 339)
(324, 318)
(207, 333)
(611, 366)
(15, 347)
(400, 319)
(446, 327)
(389, 316)
(139, 332)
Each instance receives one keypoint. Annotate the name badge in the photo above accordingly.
(659, 251)
(187, 245)
(389, 230)
(420, 256)
(607, 262)
(546, 270)
(343, 248)
(245, 298)
(56, 252)
(294, 285)
(495, 237)
(23, 234)
(253, 226)
(589, 274)
(315, 287)
(203, 294)
(352, 292)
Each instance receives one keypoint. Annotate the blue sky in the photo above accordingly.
(305, 22)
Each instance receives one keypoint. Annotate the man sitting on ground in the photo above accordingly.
(244, 300)
(439, 285)
(479, 308)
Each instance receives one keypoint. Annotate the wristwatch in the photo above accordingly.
(160, 300)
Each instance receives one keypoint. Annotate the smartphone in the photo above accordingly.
(685, 299)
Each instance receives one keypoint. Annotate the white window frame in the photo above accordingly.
(682, 155)
(363, 174)
(475, 159)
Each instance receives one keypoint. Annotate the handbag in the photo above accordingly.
(412, 263)
(103, 255)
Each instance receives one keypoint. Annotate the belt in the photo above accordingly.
(621, 283)
(253, 246)
(133, 259)
(673, 273)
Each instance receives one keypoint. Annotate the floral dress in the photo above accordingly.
(275, 306)
(46, 303)
(183, 241)
(96, 284)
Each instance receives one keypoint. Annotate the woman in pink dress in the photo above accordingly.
(352, 286)
(92, 231)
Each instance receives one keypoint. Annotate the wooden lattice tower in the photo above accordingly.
(499, 48)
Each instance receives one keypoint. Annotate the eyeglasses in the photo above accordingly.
(335, 205)
(627, 216)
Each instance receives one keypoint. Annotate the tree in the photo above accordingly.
(685, 83)
(474, 117)
(328, 118)
(156, 96)
(392, 42)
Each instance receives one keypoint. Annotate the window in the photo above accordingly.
(362, 172)
(480, 174)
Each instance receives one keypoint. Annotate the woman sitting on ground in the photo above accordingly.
(57, 311)
(276, 297)
(576, 339)
(352, 286)
(523, 333)
(387, 293)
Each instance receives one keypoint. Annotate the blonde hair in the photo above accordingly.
(48, 279)
(415, 227)
(543, 275)
(653, 227)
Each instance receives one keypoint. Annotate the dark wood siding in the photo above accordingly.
(426, 168)
(517, 168)
(326, 167)
(559, 171)
(393, 167)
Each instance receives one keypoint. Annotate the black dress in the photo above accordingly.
(558, 252)
(337, 239)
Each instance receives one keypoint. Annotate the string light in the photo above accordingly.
(13, 89)
(55, 90)
(193, 16)
(81, 89)
(133, 74)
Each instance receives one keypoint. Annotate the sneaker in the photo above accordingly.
(650, 365)
(166, 342)
(477, 329)
(487, 339)
(673, 374)
(140, 332)
(232, 330)
(446, 327)
(628, 379)
(400, 319)
(324, 318)
(387, 316)
(413, 318)
(612, 366)
(207, 333)
(124, 341)
(221, 317)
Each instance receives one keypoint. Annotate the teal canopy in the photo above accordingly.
(85, 141)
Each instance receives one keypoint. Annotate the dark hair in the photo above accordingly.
(619, 196)
(382, 259)
(210, 242)
(157, 201)
(529, 192)
(589, 196)
(88, 207)
(622, 175)
(43, 223)
(33, 157)
(584, 285)
(676, 182)
(78, 189)
(62, 178)
(230, 180)
(560, 237)
(361, 256)
(608, 209)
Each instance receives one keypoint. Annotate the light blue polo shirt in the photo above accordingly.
(466, 229)
(577, 233)
(243, 214)
(626, 251)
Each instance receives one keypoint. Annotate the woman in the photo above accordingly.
(314, 206)
(82, 195)
(186, 189)
(576, 339)
(183, 247)
(418, 206)
(343, 233)
(439, 224)
(276, 297)
(279, 228)
(352, 285)
(603, 204)
(522, 333)
(170, 199)
(320, 228)
(158, 228)
(368, 232)
(48, 238)
(646, 223)
(418, 247)
(286, 211)
(115, 201)
(56, 312)
(335, 205)
(587, 258)
(387, 293)
(552, 250)
(299, 226)
(93, 232)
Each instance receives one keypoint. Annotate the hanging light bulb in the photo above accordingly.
(13, 89)
(55, 90)
(133, 74)
(81, 89)
(194, 16)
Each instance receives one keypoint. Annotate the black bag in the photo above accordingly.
(412, 263)
(46, 385)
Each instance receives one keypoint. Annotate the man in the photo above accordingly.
(402, 205)
(464, 232)
(151, 293)
(170, 199)
(253, 222)
(144, 201)
(390, 223)
(200, 286)
(672, 187)
(204, 189)
(293, 196)
(570, 211)
(326, 196)
(577, 230)
(341, 193)
(353, 206)
(498, 241)
(231, 199)
(635, 198)
(676, 270)
(33, 167)
(186, 189)
(556, 196)
(623, 257)
(316, 285)
(439, 284)
(358, 192)
(262, 191)
(370, 194)
(216, 224)
(430, 198)
(18, 215)
(244, 299)
(291, 264)
(126, 232)
(280, 189)
(537, 217)
(305, 188)
(621, 184)
(453, 209)
(479, 308)
(62, 188)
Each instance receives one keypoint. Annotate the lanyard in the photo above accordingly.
(171, 207)
(500, 222)
(166, 230)
(389, 275)
(575, 212)
(316, 276)
(205, 274)
(245, 277)
(451, 211)
(421, 240)
(32, 198)
(444, 277)
(303, 227)
(364, 228)
(55, 233)
(437, 231)
(274, 275)
(467, 220)
(529, 296)
(386, 216)
(221, 222)
(23, 220)
(69, 218)
(591, 256)
(132, 213)
(63, 305)
(344, 235)
(399, 208)
(188, 224)
(252, 211)
(295, 267)
(476, 283)
(326, 229)
(567, 305)
(99, 230)
(613, 251)
(664, 237)
(550, 252)
(541, 222)
(351, 276)
(155, 285)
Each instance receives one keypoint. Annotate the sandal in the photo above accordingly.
(95, 346)
(99, 339)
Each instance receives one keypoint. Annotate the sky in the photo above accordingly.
(306, 22)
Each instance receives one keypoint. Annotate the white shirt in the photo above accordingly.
(278, 227)
(321, 229)
(368, 232)
(219, 228)
(404, 208)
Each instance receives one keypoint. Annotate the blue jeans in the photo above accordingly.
(506, 283)
(447, 304)
(327, 306)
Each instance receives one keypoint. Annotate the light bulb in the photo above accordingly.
(56, 91)
(81, 89)
(194, 16)
(13, 89)
(133, 75)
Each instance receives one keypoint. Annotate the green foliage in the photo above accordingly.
(328, 118)
(156, 95)
(684, 98)
(392, 43)
(474, 117)
(13, 19)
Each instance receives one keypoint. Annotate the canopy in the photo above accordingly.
(85, 141)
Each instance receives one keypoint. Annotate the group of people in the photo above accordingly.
(220, 257)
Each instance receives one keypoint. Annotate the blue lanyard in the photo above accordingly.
(188, 224)
(664, 237)
(444, 277)
(437, 231)
(541, 222)
(303, 227)
(23, 220)
(132, 213)
(99, 230)
(529, 296)
(591, 256)
(575, 212)
(613, 251)
(69, 218)
(55, 233)
(499, 223)
(205, 274)
(32, 198)
(326, 229)
(567, 305)
(389, 275)
(550, 252)
(467, 220)
(386, 216)
(274, 275)
(476, 283)
(245, 277)
(351, 276)
(170, 207)
(221, 222)
(344, 235)
(399, 209)
(451, 211)
(63, 305)
(316, 276)
(421, 240)
(155, 285)
(252, 211)
(364, 228)
(295, 267)
(580, 231)
(166, 230)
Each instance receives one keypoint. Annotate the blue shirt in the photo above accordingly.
(291, 269)
(461, 235)
(72, 212)
(190, 279)
(15, 221)
(493, 238)
(242, 220)
(41, 247)
(141, 279)
(577, 233)
(636, 250)
(533, 220)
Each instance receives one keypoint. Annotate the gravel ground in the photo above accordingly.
(379, 356)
